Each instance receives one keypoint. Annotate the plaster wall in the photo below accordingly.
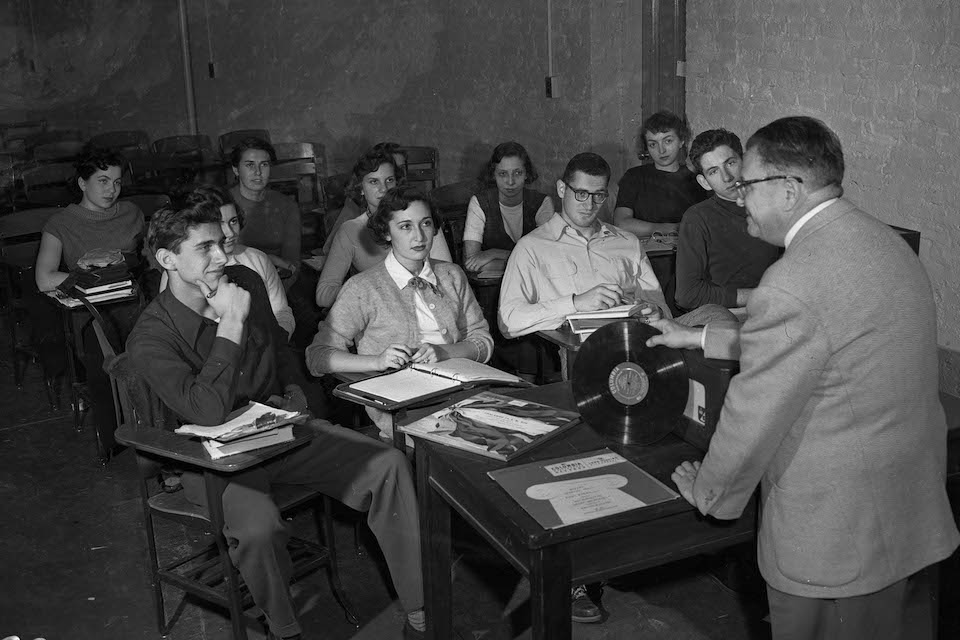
(884, 74)
(461, 76)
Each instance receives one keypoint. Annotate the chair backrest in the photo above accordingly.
(148, 203)
(182, 145)
(49, 184)
(23, 226)
(134, 401)
(14, 135)
(230, 139)
(421, 169)
(297, 161)
(62, 150)
(127, 142)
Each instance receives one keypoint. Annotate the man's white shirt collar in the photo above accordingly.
(804, 219)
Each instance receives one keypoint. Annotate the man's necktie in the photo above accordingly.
(419, 283)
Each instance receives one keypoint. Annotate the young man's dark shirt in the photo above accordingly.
(201, 377)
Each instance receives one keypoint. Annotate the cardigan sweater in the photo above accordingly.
(372, 313)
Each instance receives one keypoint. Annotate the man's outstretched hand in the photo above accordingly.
(675, 335)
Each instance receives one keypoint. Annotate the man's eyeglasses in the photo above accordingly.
(581, 194)
(741, 185)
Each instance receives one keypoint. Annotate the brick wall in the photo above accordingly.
(885, 75)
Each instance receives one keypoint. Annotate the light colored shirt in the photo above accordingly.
(354, 247)
(426, 322)
(554, 262)
(512, 219)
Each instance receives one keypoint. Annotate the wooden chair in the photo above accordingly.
(421, 169)
(296, 162)
(182, 145)
(148, 203)
(130, 143)
(14, 135)
(49, 184)
(231, 139)
(57, 151)
(208, 574)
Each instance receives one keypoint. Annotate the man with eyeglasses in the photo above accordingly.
(835, 412)
(574, 262)
(718, 262)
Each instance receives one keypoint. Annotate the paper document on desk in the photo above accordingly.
(582, 487)
(242, 422)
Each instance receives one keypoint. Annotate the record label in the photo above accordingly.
(628, 383)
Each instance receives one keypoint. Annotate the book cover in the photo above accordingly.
(70, 302)
(493, 425)
(90, 290)
(584, 320)
(582, 487)
(258, 440)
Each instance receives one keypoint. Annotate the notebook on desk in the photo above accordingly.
(423, 382)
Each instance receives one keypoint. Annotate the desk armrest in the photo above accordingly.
(186, 450)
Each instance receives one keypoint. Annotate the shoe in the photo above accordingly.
(409, 633)
(582, 608)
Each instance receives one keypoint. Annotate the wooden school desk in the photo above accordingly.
(449, 480)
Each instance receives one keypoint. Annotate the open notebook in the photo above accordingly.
(421, 382)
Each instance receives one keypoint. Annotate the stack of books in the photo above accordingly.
(106, 283)
(583, 323)
(247, 429)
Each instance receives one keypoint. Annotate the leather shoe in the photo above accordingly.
(582, 608)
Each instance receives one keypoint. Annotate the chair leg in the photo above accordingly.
(325, 528)
(152, 548)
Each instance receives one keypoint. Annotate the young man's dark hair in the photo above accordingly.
(710, 140)
(803, 145)
(398, 199)
(589, 163)
(251, 143)
(170, 226)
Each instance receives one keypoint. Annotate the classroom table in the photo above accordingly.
(449, 480)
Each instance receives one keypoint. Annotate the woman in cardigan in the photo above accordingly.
(231, 222)
(505, 210)
(409, 308)
(354, 248)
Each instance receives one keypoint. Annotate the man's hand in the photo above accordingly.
(295, 399)
(228, 300)
(684, 476)
(650, 312)
(602, 296)
(394, 357)
(427, 353)
(675, 335)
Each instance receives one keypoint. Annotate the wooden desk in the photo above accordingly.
(569, 344)
(449, 480)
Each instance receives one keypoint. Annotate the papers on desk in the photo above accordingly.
(573, 489)
(70, 302)
(421, 382)
(246, 421)
(258, 440)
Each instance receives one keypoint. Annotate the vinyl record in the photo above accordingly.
(627, 391)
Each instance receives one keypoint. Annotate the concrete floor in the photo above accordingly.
(73, 563)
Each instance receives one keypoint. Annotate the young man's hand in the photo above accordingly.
(602, 296)
(228, 300)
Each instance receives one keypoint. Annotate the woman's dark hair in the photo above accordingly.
(93, 159)
(509, 150)
(369, 162)
(398, 199)
(236, 155)
(170, 226)
(216, 195)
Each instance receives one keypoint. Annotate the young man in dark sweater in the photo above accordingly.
(208, 344)
(718, 262)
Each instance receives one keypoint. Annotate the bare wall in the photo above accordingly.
(461, 76)
(884, 74)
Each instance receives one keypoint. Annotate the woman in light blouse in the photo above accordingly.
(354, 249)
(409, 308)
